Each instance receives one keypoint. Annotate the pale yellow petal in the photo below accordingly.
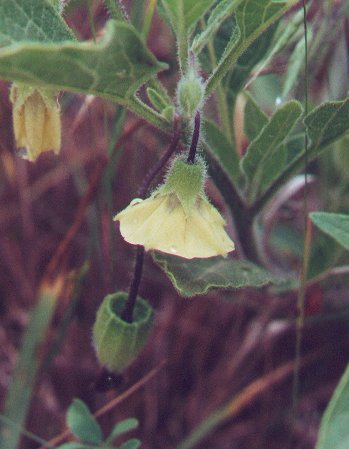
(169, 236)
(134, 224)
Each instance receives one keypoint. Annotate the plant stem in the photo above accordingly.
(141, 109)
(148, 16)
(307, 237)
(116, 9)
(221, 96)
(195, 139)
(243, 218)
(127, 313)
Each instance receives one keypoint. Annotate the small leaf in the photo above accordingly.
(197, 276)
(131, 444)
(124, 426)
(335, 225)
(327, 123)
(255, 118)
(82, 423)
(334, 425)
(114, 68)
(266, 156)
(184, 13)
(253, 18)
(221, 12)
(31, 20)
(222, 149)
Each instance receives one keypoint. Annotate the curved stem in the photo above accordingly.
(127, 313)
(195, 139)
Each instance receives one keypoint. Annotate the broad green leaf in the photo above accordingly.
(266, 156)
(255, 119)
(113, 68)
(334, 424)
(124, 426)
(253, 18)
(197, 276)
(184, 13)
(31, 20)
(335, 225)
(327, 123)
(221, 12)
(82, 423)
(222, 149)
(134, 443)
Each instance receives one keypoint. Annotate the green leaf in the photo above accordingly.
(113, 68)
(222, 149)
(253, 18)
(335, 225)
(134, 443)
(255, 119)
(82, 423)
(334, 425)
(294, 66)
(197, 276)
(266, 156)
(124, 426)
(23, 379)
(326, 123)
(31, 20)
(221, 12)
(185, 13)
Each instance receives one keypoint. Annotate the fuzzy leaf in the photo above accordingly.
(197, 276)
(253, 18)
(82, 423)
(113, 68)
(255, 118)
(184, 13)
(266, 156)
(335, 225)
(327, 123)
(31, 20)
(221, 12)
(222, 149)
(334, 425)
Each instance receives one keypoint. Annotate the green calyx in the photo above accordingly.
(118, 342)
(190, 94)
(186, 181)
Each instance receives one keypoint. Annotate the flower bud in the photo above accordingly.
(118, 342)
(36, 120)
(190, 94)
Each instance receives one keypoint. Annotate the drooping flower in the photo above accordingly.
(177, 218)
(36, 120)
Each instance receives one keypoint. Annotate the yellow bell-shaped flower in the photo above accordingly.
(177, 218)
(36, 120)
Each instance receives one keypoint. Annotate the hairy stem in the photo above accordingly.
(127, 313)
